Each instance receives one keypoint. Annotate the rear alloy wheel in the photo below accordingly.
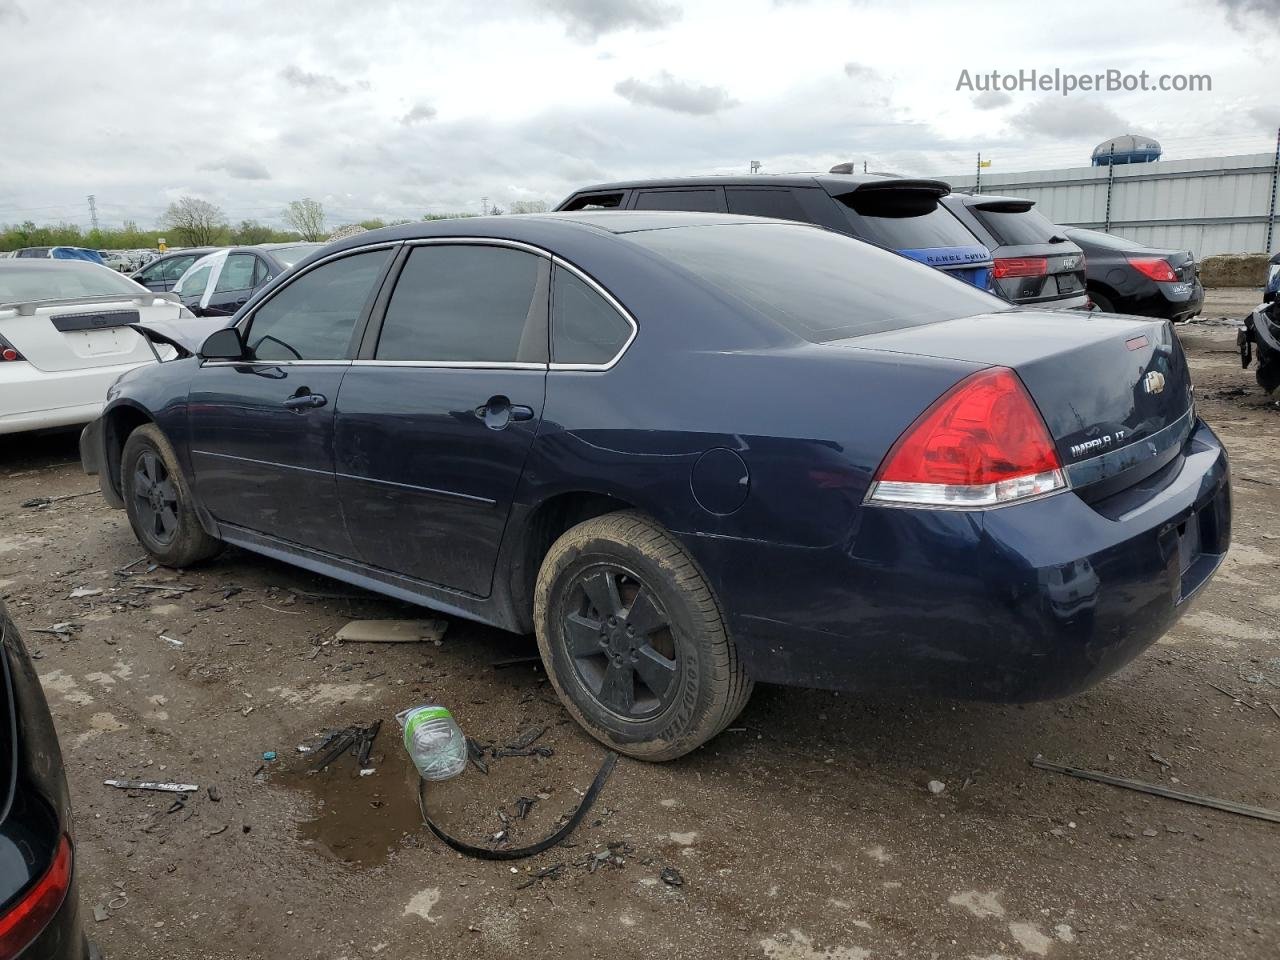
(158, 501)
(633, 639)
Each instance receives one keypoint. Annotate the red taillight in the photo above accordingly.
(8, 351)
(36, 908)
(1153, 267)
(1020, 267)
(982, 443)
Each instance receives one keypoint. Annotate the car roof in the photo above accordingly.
(835, 184)
(46, 263)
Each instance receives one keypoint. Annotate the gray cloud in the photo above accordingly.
(858, 71)
(1069, 119)
(667, 93)
(587, 20)
(1239, 10)
(991, 99)
(417, 114)
(239, 168)
(10, 12)
(1268, 118)
(295, 76)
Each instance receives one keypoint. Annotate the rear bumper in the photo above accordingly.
(1027, 602)
(32, 399)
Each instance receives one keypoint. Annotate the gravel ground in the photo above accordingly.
(806, 832)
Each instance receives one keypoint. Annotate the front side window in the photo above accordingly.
(313, 317)
(584, 327)
(237, 273)
(171, 269)
(467, 303)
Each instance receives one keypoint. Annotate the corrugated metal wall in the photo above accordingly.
(1215, 205)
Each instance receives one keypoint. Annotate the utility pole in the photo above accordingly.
(1275, 181)
(93, 213)
(484, 206)
(755, 166)
(977, 180)
(1111, 178)
(864, 166)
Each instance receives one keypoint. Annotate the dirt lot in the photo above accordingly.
(804, 833)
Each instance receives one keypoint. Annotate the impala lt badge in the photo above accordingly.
(1153, 382)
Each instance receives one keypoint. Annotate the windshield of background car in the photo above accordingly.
(19, 282)
(291, 255)
(817, 284)
(1107, 241)
(1013, 227)
(904, 219)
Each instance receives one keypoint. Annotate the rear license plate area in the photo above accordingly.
(1189, 544)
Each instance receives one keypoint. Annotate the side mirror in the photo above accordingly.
(223, 344)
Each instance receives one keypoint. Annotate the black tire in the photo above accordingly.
(686, 681)
(1102, 302)
(158, 501)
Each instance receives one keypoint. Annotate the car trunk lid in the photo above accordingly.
(58, 335)
(1115, 393)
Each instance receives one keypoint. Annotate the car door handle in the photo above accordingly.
(303, 401)
(500, 411)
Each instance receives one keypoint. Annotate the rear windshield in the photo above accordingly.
(1017, 227)
(817, 284)
(1106, 240)
(57, 280)
(904, 220)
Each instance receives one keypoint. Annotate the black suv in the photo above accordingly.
(1035, 264)
(891, 212)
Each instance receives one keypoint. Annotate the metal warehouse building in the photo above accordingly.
(1208, 206)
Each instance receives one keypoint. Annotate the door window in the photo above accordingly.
(780, 204)
(467, 303)
(193, 283)
(707, 201)
(313, 317)
(171, 269)
(585, 328)
(237, 273)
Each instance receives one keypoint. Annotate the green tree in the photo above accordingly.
(197, 222)
(251, 232)
(307, 217)
(529, 206)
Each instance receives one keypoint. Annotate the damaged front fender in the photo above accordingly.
(1261, 332)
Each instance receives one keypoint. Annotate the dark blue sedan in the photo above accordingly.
(691, 452)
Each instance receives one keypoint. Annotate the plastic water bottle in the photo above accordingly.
(434, 741)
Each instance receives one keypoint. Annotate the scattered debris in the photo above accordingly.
(333, 744)
(152, 785)
(162, 587)
(268, 756)
(80, 592)
(523, 806)
(41, 502)
(671, 877)
(1230, 806)
(100, 913)
(476, 754)
(936, 787)
(392, 631)
(62, 630)
(215, 795)
(1228, 693)
(527, 739)
(546, 873)
(171, 641)
(515, 662)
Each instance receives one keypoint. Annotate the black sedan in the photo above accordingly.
(163, 272)
(221, 283)
(691, 451)
(1125, 276)
(39, 908)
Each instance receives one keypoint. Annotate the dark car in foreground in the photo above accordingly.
(1034, 264)
(691, 451)
(39, 908)
(891, 212)
(163, 272)
(219, 284)
(1125, 276)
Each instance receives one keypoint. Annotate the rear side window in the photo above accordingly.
(904, 220)
(313, 317)
(237, 273)
(703, 201)
(817, 284)
(750, 202)
(1017, 226)
(192, 284)
(467, 303)
(585, 328)
(171, 269)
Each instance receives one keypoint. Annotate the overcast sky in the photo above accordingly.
(394, 109)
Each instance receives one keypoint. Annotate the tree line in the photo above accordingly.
(193, 222)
